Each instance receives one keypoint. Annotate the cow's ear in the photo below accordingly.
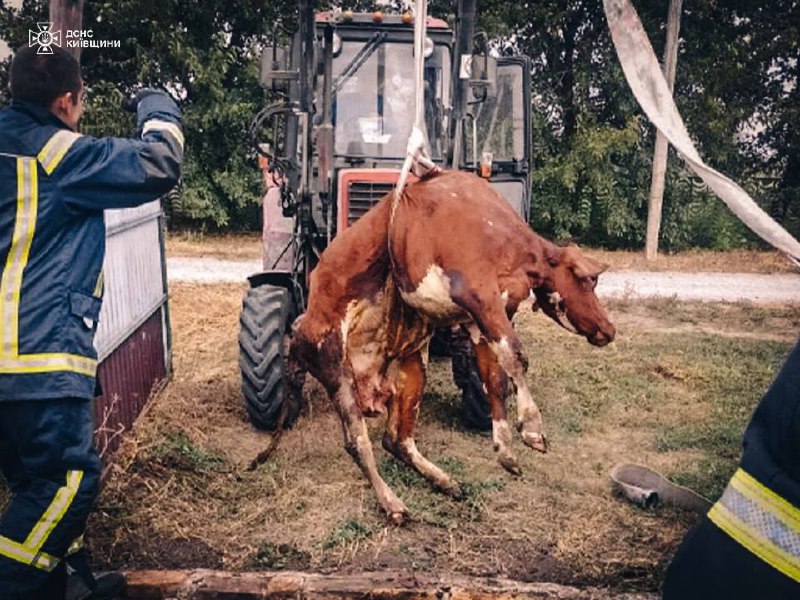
(586, 267)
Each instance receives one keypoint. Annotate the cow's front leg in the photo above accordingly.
(529, 418)
(359, 446)
(489, 313)
(403, 411)
(496, 384)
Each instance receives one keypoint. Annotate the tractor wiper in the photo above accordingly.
(358, 60)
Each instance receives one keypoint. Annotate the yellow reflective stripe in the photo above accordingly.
(55, 512)
(751, 539)
(75, 546)
(18, 552)
(55, 149)
(29, 552)
(164, 126)
(11, 282)
(767, 499)
(47, 363)
(761, 521)
(98, 286)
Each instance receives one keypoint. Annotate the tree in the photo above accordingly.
(736, 89)
(204, 52)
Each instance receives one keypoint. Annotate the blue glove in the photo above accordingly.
(156, 104)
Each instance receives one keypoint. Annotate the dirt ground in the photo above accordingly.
(247, 246)
(673, 392)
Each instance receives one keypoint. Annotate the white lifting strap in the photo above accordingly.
(417, 157)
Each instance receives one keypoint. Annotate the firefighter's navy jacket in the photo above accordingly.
(54, 186)
(748, 546)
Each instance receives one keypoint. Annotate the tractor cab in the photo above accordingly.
(368, 90)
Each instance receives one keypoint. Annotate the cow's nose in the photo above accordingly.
(603, 337)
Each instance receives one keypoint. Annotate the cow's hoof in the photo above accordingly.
(535, 440)
(510, 464)
(453, 490)
(398, 517)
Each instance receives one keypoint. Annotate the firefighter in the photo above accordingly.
(748, 545)
(54, 185)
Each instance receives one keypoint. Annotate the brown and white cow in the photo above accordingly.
(453, 253)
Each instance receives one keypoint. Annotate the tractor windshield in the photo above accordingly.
(373, 111)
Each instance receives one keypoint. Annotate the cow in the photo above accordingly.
(450, 252)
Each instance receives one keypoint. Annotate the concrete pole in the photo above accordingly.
(660, 152)
(67, 15)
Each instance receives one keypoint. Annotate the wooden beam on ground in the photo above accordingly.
(380, 585)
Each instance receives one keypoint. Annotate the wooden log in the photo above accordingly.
(380, 585)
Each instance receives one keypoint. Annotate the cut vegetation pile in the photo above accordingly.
(674, 392)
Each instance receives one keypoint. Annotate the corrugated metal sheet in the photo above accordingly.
(133, 340)
(134, 284)
(128, 376)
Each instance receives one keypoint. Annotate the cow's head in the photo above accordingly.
(567, 296)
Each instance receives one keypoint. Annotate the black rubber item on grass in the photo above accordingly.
(267, 313)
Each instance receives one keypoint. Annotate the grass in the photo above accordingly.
(350, 532)
(673, 392)
(231, 246)
(176, 451)
(731, 261)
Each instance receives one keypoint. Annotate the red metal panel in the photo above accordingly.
(348, 176)
(127, 377)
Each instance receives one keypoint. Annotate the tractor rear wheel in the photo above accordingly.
(476, 413)
(265, 321)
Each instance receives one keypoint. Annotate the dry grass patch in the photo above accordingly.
(731, 261)
(670, 393)
(229, 246)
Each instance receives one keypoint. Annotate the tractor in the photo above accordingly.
(334, 142)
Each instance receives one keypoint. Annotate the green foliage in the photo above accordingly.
(278, 556)
(207, 54)
(352, 530)
(594, 191)
(177, 451)
(736, 87)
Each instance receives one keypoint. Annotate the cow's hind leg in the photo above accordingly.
(490, 315)
(323, 360)
(496, 383)
(359, 446)
(403, 411)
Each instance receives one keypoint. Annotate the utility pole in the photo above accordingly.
(67, 15)
(660, 153)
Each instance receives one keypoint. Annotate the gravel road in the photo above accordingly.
(705, 287)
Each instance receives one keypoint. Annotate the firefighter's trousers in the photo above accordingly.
(48, 459)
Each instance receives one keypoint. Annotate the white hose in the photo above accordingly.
(647, 82)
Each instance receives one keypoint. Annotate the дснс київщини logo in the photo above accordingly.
(44, 38)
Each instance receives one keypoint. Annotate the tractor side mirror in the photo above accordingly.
(274, 72)
(483, 78)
